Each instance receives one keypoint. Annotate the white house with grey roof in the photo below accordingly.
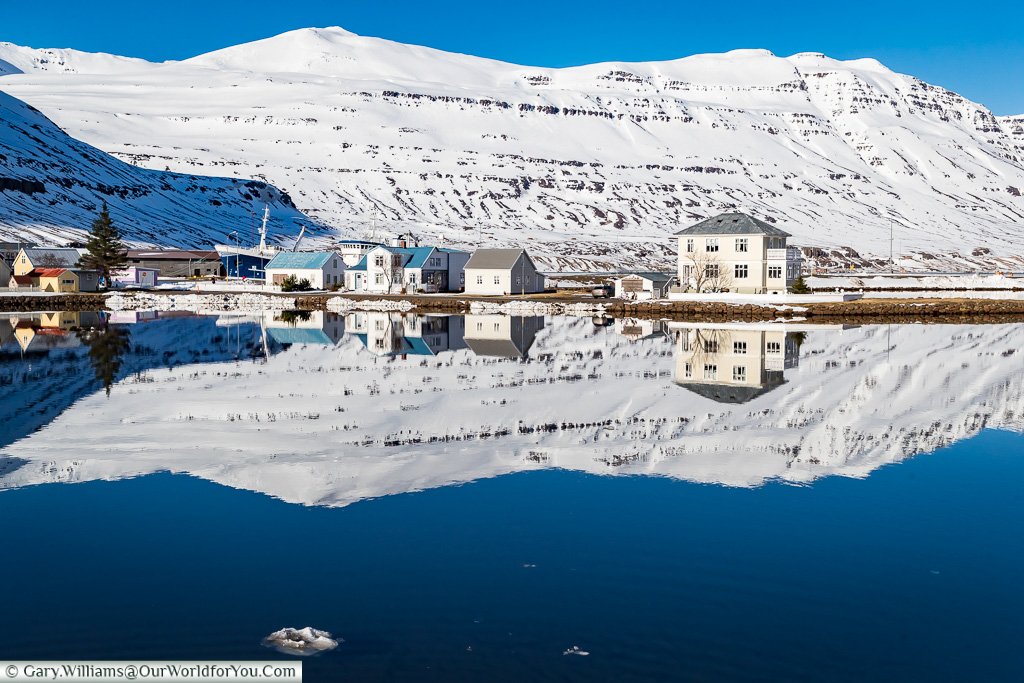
(737, 253)
(502, 272)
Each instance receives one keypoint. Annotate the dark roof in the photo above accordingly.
(494, 259)
(733, 224)
(730, 393)
(64, 256)
(500, 348)
(653, 277)
(172, 254)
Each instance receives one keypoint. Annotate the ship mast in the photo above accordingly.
(263, 229)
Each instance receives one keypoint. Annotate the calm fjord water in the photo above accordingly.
(467, 503)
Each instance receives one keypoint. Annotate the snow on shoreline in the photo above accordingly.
(342, 305)
(198, 302)
(536, 308)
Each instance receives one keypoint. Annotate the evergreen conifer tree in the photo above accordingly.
(105, 251)
(107, 345)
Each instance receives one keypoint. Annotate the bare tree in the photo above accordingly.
(704, 272)
(49, 260)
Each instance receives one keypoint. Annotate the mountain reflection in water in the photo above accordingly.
(322, 409)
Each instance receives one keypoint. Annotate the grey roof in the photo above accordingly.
(733, 224)
(731, 393)
(502, 348)
(652, 276)
(64, 256)
(494, 259)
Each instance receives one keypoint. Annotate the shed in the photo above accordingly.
(644, 285)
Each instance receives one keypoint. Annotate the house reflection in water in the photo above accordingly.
(397, 334)
(46, 331)
(502, 336)
(321, 328)
(637, 329)
(733, 364)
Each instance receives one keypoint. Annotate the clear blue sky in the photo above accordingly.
(976, 50)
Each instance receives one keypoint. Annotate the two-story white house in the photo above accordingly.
(394, 270)
(735, 252)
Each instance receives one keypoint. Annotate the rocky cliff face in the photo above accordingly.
(591, 166)
(51, 187)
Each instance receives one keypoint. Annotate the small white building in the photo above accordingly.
(323, 269)
(134, 276)
(641, 286)
(502, 272)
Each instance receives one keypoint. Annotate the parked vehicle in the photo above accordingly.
(602, 291)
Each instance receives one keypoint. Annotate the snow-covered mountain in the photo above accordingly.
(52, 185)
(332, 425)
(591, 166)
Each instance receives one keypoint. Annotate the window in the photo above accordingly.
(774, 347)
(379, 325)
(742, 270)
(739, 348)
(335, 263)
(742, 244)
(412, 278)
(774, 272)
(497, 327)
(479, 279)
(378, 261)
(739, 373)
(687, 272)
(479, 327)
(710, 372)
(689, 246)
(497, 279)
(711, 271)
(711, 244)
(379, 279)
(688, 371)
(710, 346)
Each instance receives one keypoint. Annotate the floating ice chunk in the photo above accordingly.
(300, 641)
(575, 650)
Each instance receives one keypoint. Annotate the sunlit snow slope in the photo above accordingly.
(591, 166)
(52, 185)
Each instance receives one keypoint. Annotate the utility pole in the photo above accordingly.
(892, 263)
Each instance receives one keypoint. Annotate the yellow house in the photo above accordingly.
(28, 260)
(55, 279)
